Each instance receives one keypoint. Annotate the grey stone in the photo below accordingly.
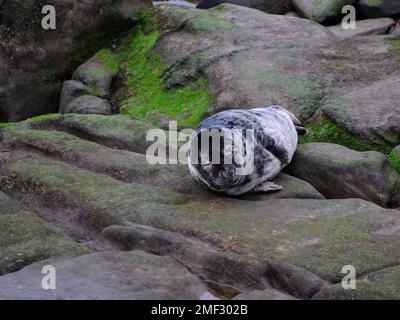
(34, 61)
(88, 105)
(107, 275)
(322, 10)
(70, 90)
(378, 8)
(338, 172)
(363, 28)
(269, 6)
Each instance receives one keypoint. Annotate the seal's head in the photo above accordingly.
(216, 156)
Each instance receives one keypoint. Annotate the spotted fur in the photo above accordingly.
(275, 141)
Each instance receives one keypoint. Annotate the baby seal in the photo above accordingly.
(238, 151)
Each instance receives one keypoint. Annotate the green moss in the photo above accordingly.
(108, 59)
(6, 124)
(394, 43)
(394, 158)
(93, 91)
(44, 116)
(327, 131)
(146, 88)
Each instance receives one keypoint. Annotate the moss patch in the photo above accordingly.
(394, 158)
(327, 131)
(108, 59)
(146, 89)
(6, 124)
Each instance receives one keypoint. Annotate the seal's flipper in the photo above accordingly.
(267, 186)
(301, 130)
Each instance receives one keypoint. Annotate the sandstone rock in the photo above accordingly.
(70, 90)
(254, 59)
(371, 113)
(106, 275)
(88, 105)
(95, 75)
(379, 285)
(25, 238)
(34, 61)
(323, 10)
(338, 172)
(364, 27)
(269, 294)
(269, 6)
(175, 3)
(378, 8)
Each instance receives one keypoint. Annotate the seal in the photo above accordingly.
(239, 151)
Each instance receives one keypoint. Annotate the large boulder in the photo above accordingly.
(269, 6)
(33, 61)
(88, 105)
(322, 10)
(338, 172)
(378, 8)
(248, 58)
(109, 275)
(371, 113)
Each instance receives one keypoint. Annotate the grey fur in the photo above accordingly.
(275, 141)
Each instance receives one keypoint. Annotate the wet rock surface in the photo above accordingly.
(78, 192)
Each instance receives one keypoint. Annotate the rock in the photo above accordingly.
(70, 90)
(88, 105)
(379, 285)
(269, 294)
(370, 113)
(293, 188)
(175, 3)
(25, 238)
(320, 236)
(274, 6)
(338, 172)
(321, 11)
(364, 27)
(293, 62)
(96, 76)
(395, 31)
(378, 8)
(109, 275)
(292, 14)
(298, 282)
(34, 61)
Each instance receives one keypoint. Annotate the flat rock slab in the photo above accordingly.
(109, 275)
(25, 238)
(380, 285)
(363, 28)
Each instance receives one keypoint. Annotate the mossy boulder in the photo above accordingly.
(25, 238)
(321, 10)
(35, 61)
(338, 172)
(88, 104)
(110, 275)
(268, 6)
(378, 8)
(370, 113)
(380, 285)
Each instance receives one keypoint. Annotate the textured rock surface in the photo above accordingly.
(364, 27)
(109, 275)
(269, 6)
(371, 113)
(70, 90)
(88, 105)
(30, 68)
(378, 8)
(339, 172)
(321, 10)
